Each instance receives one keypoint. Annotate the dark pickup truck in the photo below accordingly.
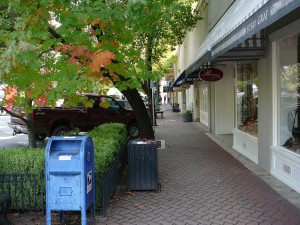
(59, 120)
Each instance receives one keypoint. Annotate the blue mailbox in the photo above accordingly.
(70, 181)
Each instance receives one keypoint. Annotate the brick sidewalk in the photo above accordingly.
(201, 183)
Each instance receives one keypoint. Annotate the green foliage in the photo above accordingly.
(165, 64)
(33, 34)
(22, 160)
(108, 139)
(187, 112)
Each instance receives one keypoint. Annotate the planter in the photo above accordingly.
(187, 117)
(110, 179)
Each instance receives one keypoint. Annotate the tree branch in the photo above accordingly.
(11, 113)
(56, 35)
(46, 51)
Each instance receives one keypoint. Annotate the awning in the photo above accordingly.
(242, 22)
(174, 86)
(195, 67)
(250, 49)
(180, 80)
(259, 15)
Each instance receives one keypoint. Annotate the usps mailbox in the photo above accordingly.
(70, 181)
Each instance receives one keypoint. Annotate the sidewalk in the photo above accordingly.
(202, 182)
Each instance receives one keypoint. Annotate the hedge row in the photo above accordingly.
(107, 138)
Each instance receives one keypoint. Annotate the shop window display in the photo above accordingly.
(247, 97)
(289, 79)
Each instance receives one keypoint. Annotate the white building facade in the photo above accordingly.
(256, 46)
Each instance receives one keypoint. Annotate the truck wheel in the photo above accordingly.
(60, 131)
(133, 130)
(40, 137)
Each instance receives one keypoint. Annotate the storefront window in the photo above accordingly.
(247, 97)
(289, 79)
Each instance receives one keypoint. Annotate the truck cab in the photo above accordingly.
(60, 120)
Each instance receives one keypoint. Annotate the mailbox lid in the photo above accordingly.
(64, 154)
(65, 163)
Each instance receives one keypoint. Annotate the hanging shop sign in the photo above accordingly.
(210, 74)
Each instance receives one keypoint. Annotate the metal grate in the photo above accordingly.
(27, 191)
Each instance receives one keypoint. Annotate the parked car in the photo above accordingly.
(58, 121)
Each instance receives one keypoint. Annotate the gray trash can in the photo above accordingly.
(70, 181)
(142, 165)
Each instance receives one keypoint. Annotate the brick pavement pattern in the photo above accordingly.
(201, 183)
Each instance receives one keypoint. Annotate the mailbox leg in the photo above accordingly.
(93, 211)
(48, 216)
(83, 216)
(61, 216)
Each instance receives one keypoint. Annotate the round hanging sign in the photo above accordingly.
(210, 74)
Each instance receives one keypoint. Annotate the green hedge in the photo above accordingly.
(108, 140)
(22, 160)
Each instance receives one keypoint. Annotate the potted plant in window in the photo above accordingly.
(187, 116)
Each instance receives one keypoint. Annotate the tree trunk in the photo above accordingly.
(148, 59)
(141, 113)
(30, 127)
(31, 131)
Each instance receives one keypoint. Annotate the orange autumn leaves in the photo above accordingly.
(10, 97)
(96, 60)
(83, 56)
